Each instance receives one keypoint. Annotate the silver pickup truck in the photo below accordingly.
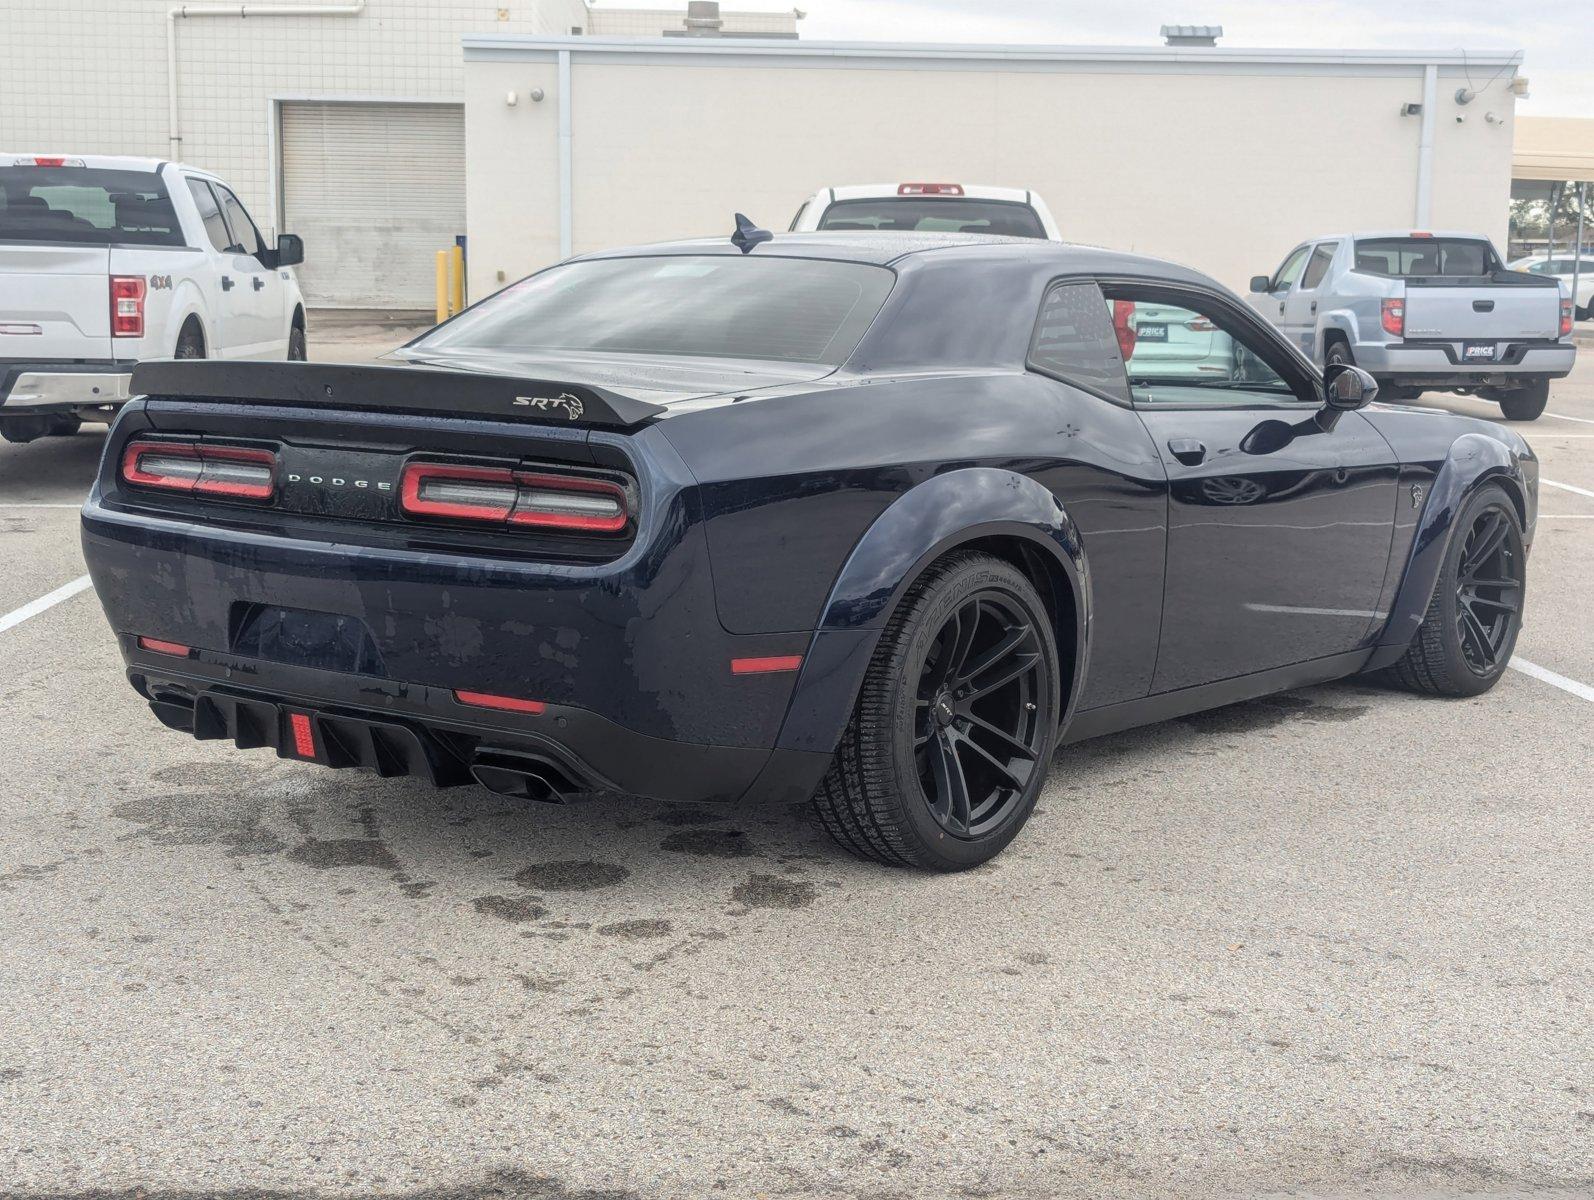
(1424, 312)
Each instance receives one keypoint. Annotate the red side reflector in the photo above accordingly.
(929, 189)
(502, 703)
(303, 735)
(156, 646)
(766, 666)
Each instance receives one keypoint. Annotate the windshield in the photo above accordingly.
(87, 205)
(934, 215)
(713, 306)
(1415, 257)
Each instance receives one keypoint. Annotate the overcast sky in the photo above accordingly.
(1558, 35)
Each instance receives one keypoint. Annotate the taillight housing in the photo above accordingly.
(514, 497)
(1393, 314)
(1566, 317)
(201, 469)
(1123, 312)
(127, 306)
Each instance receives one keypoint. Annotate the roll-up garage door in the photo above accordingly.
(375, 190)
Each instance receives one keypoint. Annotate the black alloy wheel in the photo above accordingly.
(952, 734)
(1467, 636)
(1489, 586)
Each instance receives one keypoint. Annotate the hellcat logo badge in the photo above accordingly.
(571, 404)
(1416, 495)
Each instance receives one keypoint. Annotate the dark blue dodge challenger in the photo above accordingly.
(874, 520)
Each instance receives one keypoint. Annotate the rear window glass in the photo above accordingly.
(1409, 257)
(88, 205)
(934, 214)
(786, 309)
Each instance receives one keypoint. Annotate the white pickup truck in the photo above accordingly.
(105, 261)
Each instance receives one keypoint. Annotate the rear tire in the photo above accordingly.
(1470, 630)
(1525, 403)
(1338, 351)
(190, 342)
(955, 724)
(298, 351)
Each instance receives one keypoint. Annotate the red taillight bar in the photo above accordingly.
(127, 306)
(1566, 317)
(201, 469)
(502, 703)
(929, 189)
(46, 160)
(156, 646)
(502, 496)
(766, 666)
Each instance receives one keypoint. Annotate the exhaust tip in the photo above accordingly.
(524, 777)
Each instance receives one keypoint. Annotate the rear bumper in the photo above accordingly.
(1444, 363)
(398, 729)
(46, 387)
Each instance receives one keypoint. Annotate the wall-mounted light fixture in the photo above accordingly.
(1411, 110)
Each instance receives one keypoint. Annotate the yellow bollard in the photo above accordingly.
(456, 295)
(442, 286)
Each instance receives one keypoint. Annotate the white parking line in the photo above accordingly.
(1567, 487)
(33, 608)
(24, 504)
(1566, 516)
(1581, 690)
(1557, 416)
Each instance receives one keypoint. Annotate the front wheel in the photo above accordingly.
(1525, 403)
(1466, 639)
(955, 724)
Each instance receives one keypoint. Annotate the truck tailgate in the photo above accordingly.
(55, 302)
(1482, 310)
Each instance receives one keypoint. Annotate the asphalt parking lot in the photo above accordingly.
(1330, 943)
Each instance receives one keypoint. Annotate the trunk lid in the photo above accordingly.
(55, 302)
(1495, 307)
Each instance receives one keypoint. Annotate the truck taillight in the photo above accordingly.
(127, 306)
(43, 160)
(929, 189)
(1123, 312)
(201, 469)
(501, 496)
(1566, 317)
(1393, 313)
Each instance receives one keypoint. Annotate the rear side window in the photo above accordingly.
(1318, 266)
(210, 214)
(1414, 258)
(930, 214)
(1075, 340)
(708, 306)
(86, 205)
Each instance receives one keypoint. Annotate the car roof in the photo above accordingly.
(1396, 233)
(883, 249)
(971, 191)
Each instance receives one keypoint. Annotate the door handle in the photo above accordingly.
(1281, 308)
(258, 282)
(1314, 308)
(226, 283)
(1188, 451)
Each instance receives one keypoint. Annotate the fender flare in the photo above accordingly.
(188, 301)
(1340, 320)
(1473, 461)
(919, 527)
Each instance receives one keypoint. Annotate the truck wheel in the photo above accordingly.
(955, 724)
(190, 342)
(1525, 403)
(1466, 639)
(297, 350)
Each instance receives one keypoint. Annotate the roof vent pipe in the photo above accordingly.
(703, 18)
(1191, 35)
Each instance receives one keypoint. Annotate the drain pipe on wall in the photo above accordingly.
(185, 11)
(1430, 99)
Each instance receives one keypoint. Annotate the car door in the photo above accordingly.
(1300, 302)
(1279, 531)
(1271, 299)
(207, 276)
(256, 295)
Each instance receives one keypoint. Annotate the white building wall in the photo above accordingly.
(1222, 163)
(89, 76)
(652, 22)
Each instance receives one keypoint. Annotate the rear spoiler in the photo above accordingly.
(432, 390)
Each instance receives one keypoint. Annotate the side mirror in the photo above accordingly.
(1261, 283)
(290, 250)
(1345, 389)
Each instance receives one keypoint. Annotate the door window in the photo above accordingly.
(1076, 340)
(210, 214)
(1318, 267)
(1184, 352)
(1285, 275)
(245, 236)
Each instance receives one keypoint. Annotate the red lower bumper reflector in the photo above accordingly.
(503, 703)
(303, 735)
(766, 666)
(156, 646)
